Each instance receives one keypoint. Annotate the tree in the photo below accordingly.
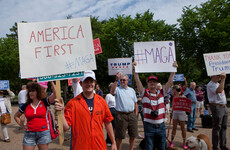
(119, 34)
(9, 58)
(204, 29)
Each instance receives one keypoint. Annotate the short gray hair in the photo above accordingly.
(124, 75)
(23, 86)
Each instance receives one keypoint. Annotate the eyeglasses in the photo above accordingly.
(122, 80)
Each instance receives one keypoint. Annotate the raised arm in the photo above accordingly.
(185, 82)
(171, 77)
(137, 79)
(222, 82)
(11, 94)
(53, 95)
(113, 88)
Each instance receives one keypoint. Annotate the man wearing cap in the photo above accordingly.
(154, 110)
(85, 114)
(126, 110)
(217, 101)
(191, 94)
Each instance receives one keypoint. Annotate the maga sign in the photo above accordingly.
(55, 47)
(122, 65)
(182, 104)
(216, 63)
(155, 56)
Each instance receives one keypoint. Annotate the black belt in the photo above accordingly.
(214, 104)
(193, 102)
(120, 112)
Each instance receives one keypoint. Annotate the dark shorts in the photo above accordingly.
(123, 122)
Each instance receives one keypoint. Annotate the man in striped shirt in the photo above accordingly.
(154, 110)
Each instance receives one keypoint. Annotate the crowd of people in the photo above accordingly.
(86, 113)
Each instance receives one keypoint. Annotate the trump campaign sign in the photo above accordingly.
(122, 65)
(216, 63)
(156, 56)
(55, 47)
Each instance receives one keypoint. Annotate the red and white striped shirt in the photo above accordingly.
(157, 103)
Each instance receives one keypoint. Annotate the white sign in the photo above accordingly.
(55, 47)
(155, 56)
(123, 65)
(216, 63)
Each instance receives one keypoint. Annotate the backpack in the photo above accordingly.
(54, 132)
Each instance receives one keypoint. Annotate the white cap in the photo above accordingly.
(88, 74)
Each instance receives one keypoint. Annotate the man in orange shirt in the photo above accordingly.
(85, 114)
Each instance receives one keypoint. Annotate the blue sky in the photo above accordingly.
(47, 10)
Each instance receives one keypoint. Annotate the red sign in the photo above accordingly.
(97, 46)
(70, 81)
(182, 104)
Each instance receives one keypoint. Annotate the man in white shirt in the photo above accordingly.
(217, 100)
(22, 96)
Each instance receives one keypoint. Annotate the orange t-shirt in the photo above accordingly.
(87, 129)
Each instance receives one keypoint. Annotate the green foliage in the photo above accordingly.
(118, 35)
(9, 58)
(204, 29)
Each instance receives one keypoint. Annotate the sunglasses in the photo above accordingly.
(122, 80)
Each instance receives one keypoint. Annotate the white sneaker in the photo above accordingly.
(108, 144)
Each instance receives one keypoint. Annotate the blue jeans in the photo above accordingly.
(155, 136)
(36, 138)
(192, 117)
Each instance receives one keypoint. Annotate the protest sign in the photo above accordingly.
(155, 56)
(70, 81)
(122, 65)
(216, 63)
(60, 76)
(97, 46)
(55, 47)
(178, 77)
(4, 84)
(182, 104)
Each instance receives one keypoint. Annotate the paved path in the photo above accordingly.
(16, 136)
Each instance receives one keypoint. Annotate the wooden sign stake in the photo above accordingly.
(60, 121)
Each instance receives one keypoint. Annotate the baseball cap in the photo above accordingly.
(88, 74)
(152, 77)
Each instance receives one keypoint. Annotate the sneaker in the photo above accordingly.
(171, 144)
(108, 144)
(185, 146)
(195, 129)
(7, 140)
(189, 130)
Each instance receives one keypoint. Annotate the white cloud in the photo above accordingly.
(47, 10)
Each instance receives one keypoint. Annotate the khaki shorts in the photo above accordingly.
(199, 104)
(124, 121)
(181, 116)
